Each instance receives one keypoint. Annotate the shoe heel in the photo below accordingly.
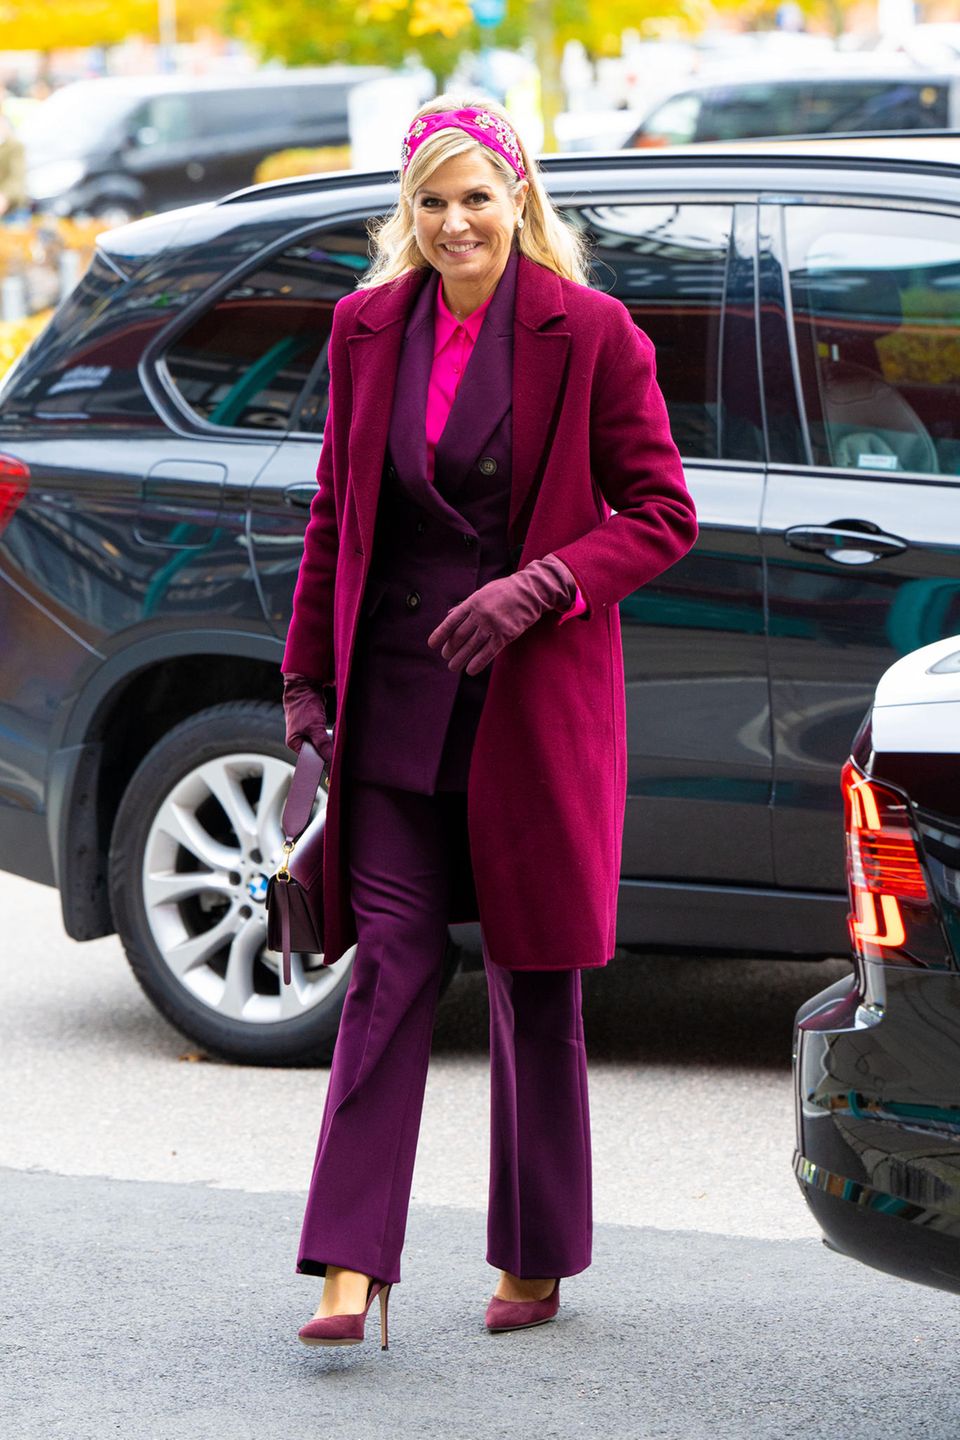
(384, 1301)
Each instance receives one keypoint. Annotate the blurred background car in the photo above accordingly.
(877, 1055)
(812, 104)
(118, 147)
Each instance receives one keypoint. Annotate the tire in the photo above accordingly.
(178, 872)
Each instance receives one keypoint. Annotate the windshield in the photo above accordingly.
(74, 120)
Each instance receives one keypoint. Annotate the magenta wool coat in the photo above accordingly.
(597, 480)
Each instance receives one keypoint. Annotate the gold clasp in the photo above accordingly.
(283, 873)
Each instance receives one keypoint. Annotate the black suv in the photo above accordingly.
(158, 445)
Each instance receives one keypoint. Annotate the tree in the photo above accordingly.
(38, 24)
(439, 32)
(371, 32)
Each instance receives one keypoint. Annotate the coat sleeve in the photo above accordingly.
(309, 645)
(637, 469)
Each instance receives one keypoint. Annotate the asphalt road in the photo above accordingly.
(150, 1204)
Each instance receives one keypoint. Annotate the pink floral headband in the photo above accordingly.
(489, 129)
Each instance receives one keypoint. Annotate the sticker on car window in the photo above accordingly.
(877, 462)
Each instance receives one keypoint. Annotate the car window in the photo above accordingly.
(163, 120)
(872, 105)
(231, 114)
(256, 359)
(310, 103)
(83, 367)
(736, 112)
(876, 313)
(674, 123)
(667, 264)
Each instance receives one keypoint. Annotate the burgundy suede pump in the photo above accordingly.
(519, 1314)
(348, 1329)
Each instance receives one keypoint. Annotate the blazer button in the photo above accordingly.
(421, 526)
(488, 465)
(469, 541)
(413, 600)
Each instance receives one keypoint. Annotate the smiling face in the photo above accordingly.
(464, 218)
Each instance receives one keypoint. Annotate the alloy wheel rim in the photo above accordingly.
(213, 844)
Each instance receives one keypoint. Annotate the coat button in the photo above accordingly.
(421, 526)
(488, 465)
(413, 600)
(469, 541)
(391, 473)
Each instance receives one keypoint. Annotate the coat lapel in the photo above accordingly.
(539, 372)
(485, 392)
(408, 433)
(374, 351)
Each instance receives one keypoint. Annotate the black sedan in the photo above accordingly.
(878, 1053)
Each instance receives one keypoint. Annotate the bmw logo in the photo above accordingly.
(257, 888)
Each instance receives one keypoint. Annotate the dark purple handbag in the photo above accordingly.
(294, 898)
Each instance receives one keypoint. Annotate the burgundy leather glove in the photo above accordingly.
(306, 716)
(477, 629)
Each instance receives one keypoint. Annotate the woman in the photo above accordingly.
(487, 411)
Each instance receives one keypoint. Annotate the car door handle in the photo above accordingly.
(300, 494)
(846, 542)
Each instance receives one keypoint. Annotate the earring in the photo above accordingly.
(519, 222)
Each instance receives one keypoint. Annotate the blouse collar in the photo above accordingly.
(447, 322)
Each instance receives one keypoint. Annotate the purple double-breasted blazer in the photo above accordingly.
(596, 479)
(412, 720)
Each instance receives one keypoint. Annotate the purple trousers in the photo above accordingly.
(539, 1219)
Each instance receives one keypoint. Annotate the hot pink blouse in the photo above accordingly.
(452, 345)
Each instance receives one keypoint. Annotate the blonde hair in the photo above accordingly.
(546, 237)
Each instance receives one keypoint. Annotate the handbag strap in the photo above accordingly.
(309, 773)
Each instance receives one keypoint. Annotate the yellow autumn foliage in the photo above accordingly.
(33, 24)
(15, 336)
(286, 164)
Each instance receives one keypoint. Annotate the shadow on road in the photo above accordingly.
(667, 1010)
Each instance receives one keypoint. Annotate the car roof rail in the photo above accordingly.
(575, 160)
(358, 179)
(276, 189)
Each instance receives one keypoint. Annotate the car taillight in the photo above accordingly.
(14, 482)
(891, 915)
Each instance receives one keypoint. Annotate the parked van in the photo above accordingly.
(122, 146)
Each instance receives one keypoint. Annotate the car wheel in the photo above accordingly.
(196, 837)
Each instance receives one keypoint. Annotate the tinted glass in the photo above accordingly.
(231, 113)
(309, 103)
(166, 119)
(83, 367)
(667, 264)
(256, 359)
(674, 123)
(876, 310)
(737, 111)
(874, 105)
